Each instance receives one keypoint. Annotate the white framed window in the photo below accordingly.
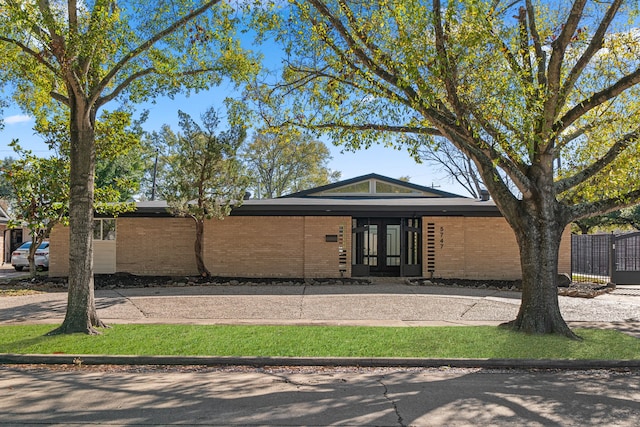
(104, 229)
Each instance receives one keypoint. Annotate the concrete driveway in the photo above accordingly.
(377, 304)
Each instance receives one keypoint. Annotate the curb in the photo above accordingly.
(82, 359)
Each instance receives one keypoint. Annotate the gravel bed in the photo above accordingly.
(120, 280)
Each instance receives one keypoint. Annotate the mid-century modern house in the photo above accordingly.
(365, 226)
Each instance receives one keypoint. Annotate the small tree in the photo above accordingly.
(41, 193)
(204, 178)
(281, 162)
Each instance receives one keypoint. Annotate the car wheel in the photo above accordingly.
(18, 267)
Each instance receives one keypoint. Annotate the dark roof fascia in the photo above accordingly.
(309, 192)
(364, 207)
(380, 211)
(155, 209)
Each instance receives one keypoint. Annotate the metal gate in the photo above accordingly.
(606, 258)
(626, 269)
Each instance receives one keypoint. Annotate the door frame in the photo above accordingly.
(410, 247)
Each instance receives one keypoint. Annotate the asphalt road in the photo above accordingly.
(310, 396)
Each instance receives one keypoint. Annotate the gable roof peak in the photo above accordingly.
(372, 185)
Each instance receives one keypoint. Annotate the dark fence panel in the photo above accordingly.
(627, 267)
(591, 257)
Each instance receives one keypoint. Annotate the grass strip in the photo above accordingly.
(320, 341)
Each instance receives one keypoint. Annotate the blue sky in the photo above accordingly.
(377, 159)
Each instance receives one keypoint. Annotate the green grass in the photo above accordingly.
(319, 341)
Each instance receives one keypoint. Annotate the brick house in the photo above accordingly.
(366, 226)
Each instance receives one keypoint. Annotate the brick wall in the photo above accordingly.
(322, 257)
(155, 246)
(293, 247)
(59, 251)
(480, 248)
(274, 246)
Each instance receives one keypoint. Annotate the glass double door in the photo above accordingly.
(386, 247)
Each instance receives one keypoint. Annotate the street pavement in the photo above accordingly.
(320, 396)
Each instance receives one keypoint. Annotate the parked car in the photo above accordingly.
(19, 258)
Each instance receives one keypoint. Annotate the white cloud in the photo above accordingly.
(18, 118)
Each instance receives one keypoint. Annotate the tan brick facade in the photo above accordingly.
(478, 248)
(155, 246)
(287, 247)
(297, 246)
(59, 251)
(274, 246)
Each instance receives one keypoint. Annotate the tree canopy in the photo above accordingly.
(80, 56)
(280, 162)
(512, 85)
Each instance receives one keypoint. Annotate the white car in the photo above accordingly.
(19, 258)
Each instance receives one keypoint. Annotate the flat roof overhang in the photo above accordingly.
(389, 207)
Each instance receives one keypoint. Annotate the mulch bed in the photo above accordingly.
(116, 281)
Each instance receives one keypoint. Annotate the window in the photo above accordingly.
(104, 229)
(385, 188)
(360, 187)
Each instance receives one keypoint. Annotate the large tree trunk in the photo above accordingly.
(199, 249)
(539, 241)
(81, 313)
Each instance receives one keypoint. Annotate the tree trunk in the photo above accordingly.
(31, 257)
(539, 242)
(81, 313)
(199, 249)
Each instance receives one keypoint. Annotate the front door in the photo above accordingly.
(385, 247)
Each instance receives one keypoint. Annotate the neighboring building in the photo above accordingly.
(366, 226)
(10, 239)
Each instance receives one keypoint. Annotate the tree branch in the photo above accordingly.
(597, 99)
(146, 45)
(541, 56)
(559, 47)
(380, 127)
(594, 46)
(601, 207)
(588, 172)
(38, 56)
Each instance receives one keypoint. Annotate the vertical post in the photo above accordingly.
(155, 170)
(612, 258)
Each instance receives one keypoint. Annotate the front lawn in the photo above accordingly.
(320, 341)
